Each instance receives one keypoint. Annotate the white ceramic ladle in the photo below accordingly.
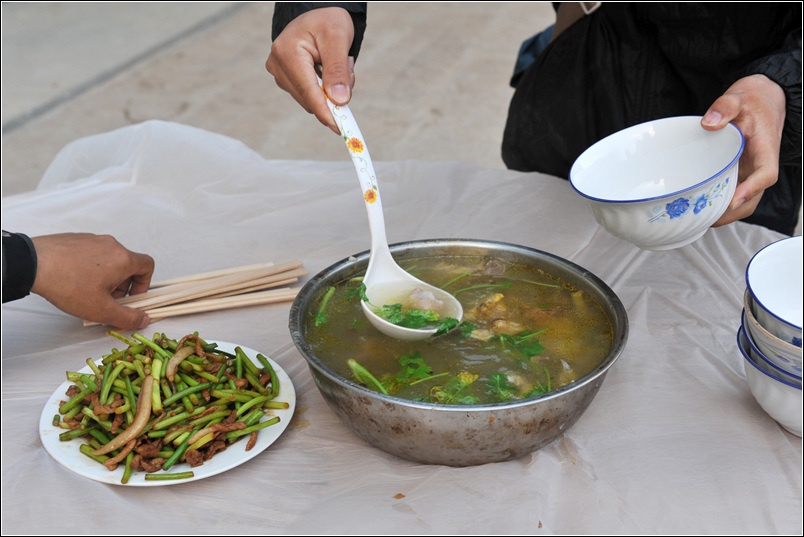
(386, 282)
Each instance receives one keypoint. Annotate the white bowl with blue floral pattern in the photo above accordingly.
(779, 398)
(774, 279)
(660, 184)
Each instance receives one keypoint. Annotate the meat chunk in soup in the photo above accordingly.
(422, 299)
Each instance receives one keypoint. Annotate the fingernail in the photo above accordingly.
(339, 93)
(736, 203)
(144, 323)
(712, 118)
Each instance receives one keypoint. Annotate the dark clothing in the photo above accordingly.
(19, 266)
(284, 12)
(628, 63)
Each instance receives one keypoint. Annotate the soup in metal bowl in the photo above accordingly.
(537, 338)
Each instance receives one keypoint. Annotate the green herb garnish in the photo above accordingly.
(412, 318)
(362, 293)
(543, 284)
(541, 389)
(455, 279)
(446, 324)
(525, 342)
(413, 368)
(502, 285)
(499, 387)
(363, 376)
(321, 317)
(466, 329)
(450, 392)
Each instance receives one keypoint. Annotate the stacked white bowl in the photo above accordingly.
(769, 337)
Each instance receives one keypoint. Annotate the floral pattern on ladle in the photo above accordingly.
(385, 279)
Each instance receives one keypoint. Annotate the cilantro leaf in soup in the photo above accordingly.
(528, 345)
(539, 388)
(413, 368)
(320, 316)
(525, 342)
(499, 386)
(412, 318)
(362, 293)
(363, 376)
(466, 329)
(450, 392)
(446, 324)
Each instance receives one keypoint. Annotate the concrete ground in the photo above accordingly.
(432, 78)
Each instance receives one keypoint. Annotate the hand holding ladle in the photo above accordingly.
(386, 282)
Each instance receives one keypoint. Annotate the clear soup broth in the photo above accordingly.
(524, 333)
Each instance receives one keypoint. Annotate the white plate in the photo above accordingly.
(68, 454)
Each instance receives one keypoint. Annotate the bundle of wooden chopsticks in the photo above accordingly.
(222, 289)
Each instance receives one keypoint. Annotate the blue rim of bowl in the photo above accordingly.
(754, 296)
(747, 356)
(764, 358)
(668, 194)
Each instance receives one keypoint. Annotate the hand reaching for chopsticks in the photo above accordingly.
(217, 290)
(83, 274)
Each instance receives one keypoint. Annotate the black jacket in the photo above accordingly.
(632, 62)
(284, 12)
(628, 63)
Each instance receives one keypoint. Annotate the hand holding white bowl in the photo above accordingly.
(660, 184)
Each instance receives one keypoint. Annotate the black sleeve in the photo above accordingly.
(784, 68)
(19, 266)
(284, 12)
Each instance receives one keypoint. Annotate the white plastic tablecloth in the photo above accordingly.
(673, 443)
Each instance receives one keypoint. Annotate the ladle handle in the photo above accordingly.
(368, 179)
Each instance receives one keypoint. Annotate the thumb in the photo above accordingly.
(125, 318)
(338, 78)
(722, 111)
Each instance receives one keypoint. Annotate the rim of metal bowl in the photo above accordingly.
(352, 265)
(667, 194)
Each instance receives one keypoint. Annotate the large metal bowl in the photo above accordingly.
(457, 435)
